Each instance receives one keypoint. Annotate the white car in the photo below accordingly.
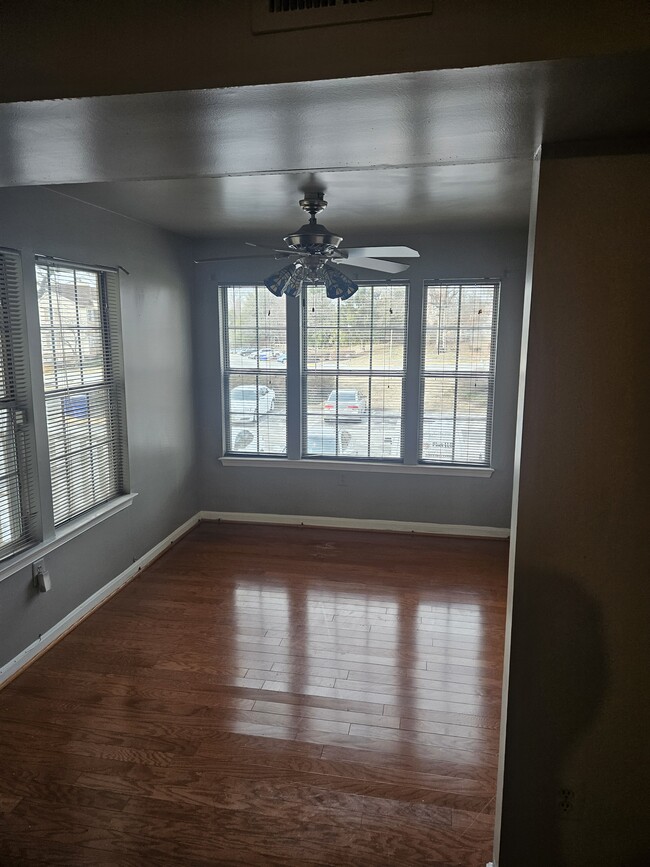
(249, 401)
(347, 404)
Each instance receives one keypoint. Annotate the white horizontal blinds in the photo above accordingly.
(255, 370)
(458, 362)
(354, 365)
(82, 374)
(16, 433)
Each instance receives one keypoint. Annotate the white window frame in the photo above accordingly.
(47, 537)
(488, 375)
(110, 390)
(410, 463)
(398, 375)
(229, 370)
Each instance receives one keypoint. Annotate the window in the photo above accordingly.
(255, 371)
(16, 439)
(82, 376)
(458, 361)
(354, 366)
(315, 379)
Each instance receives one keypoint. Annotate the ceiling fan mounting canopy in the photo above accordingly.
(314, 202)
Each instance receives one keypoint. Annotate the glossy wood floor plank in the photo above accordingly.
(268, 695)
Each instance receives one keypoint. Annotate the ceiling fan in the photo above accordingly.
(314, 251)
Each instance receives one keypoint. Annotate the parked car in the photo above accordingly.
(249, 401)
(264, 354)
(281, 357)
(345, 404)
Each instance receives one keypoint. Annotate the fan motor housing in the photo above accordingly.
(313, 238)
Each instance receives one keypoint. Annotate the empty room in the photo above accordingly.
(320, 503)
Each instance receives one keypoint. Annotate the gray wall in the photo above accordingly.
(430, 498)
(156, 326)
(578, 712)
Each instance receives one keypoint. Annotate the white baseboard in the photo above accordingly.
(25, 657)
(361, 524)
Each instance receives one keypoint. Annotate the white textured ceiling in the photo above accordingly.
(266, 206)
(417, 150)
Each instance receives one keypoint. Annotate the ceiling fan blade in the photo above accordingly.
(284, 252)
(373, 264)
(234, 258)
(228, 259)
(400, 252)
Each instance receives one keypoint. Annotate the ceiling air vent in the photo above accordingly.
(270, 16)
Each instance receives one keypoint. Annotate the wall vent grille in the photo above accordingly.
(269, 16)
(299, 5)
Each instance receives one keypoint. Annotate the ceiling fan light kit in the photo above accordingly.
(291, 279)
(337, 284)
(287, 281)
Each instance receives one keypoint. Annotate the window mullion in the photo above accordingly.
(44, 520)
(294, 377)
(370, 364)
(457, 357)
(412, 379)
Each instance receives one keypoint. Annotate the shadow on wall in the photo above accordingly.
(558, 678)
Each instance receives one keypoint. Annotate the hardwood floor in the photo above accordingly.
(268, 696)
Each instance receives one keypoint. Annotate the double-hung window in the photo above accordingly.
(83, 382)
(255, 371)
(350, 396)
(16, 441)
(457, 376)
(353, 373)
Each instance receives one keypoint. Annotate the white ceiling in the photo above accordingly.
(266, 206)
(417, 150)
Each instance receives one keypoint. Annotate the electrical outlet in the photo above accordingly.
(569, 803)
(41, 576)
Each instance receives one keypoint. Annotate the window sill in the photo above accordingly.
(65, 534)
(358, 466)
